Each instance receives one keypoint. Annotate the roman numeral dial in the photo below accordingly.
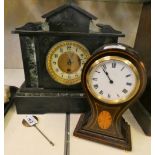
(113, 79)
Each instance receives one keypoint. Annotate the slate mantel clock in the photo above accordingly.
(113, 79)
(54, 53)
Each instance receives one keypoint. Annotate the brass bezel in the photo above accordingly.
(100, 97)
(52, 51)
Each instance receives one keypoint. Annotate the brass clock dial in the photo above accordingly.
(65, 61)
(113, 79)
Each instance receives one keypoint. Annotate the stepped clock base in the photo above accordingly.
(40, 101)
(124, 144)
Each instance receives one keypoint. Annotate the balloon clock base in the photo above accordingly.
(121, 143)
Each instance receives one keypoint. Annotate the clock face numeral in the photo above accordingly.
(128, 75)
(68, 47)
(57, 69)
(124, 91)
(96, 86)
(55, 55)
(83, 62)
(101, 92)
(112, 80)
(65, 61)
(128, 83)
(113, 64)
(54, 63)
(95, 79)
(122, 68)
(104, 67)
(97, 71)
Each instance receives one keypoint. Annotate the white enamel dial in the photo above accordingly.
(65, 61)
(113, 79)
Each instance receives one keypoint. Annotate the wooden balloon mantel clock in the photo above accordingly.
(54, 53)
(113, 79)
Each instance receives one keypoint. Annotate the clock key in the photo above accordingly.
(44, 135)
(31, 121)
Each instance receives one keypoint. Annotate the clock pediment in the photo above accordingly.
(69, 15)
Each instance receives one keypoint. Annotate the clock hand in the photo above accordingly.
(70, 55)
(69, 62)
(107, 74)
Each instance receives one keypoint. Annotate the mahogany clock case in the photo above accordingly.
(118, 134)
(40, 93)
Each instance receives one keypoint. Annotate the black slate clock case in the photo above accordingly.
(40, 93)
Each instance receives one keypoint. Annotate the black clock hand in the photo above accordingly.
(70, 55)
(107, 74)
(69, 62)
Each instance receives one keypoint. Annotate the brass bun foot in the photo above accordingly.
(124, 144)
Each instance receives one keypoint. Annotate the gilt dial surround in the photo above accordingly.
(65, 61)
(113, 79)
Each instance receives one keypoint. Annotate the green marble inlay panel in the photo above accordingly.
(32, 64)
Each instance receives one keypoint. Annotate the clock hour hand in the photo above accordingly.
(107, 74)
(69, 62)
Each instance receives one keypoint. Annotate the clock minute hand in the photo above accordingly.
(69, 62)
(107, 74)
